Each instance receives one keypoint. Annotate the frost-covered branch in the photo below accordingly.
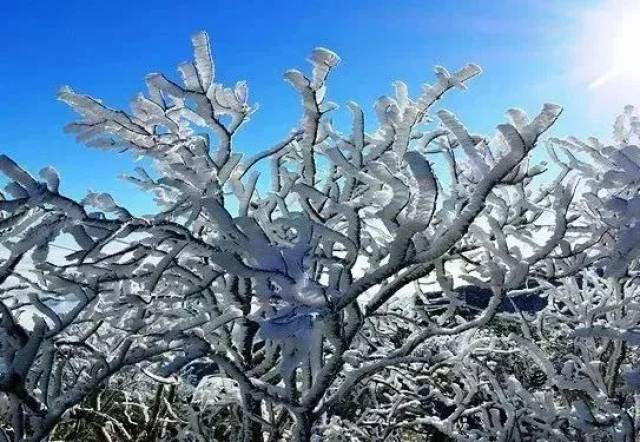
(286, 291)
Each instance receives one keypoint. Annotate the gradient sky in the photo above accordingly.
(527, 49)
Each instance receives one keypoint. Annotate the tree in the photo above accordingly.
(610, 174)
(564, 369)
(287, 291)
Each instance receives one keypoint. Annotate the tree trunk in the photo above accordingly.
(251, 429)
(302, 427)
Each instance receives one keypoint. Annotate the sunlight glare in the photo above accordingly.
(624, 47)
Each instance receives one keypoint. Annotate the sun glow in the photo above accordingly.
(603, 57)
(624, 50)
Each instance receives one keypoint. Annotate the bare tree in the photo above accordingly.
(286, 289)
(558, 362)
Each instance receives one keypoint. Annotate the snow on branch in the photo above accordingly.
(296, 294)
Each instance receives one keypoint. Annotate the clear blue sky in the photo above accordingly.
(105, 48)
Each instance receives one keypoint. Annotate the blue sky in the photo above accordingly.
(105, 48)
